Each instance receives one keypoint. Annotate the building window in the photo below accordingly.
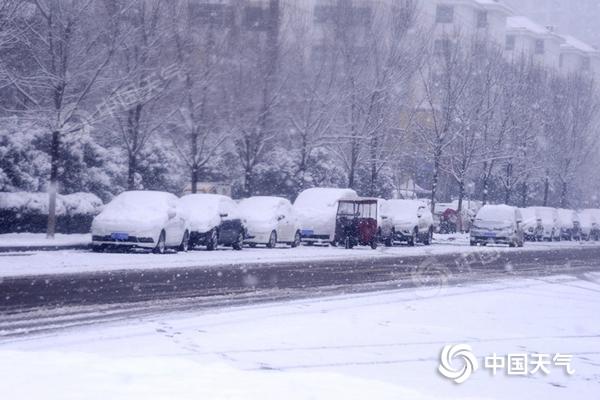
(510, 43)
(561, 61)
(444, 14)
(539, 46)
(347, 15)
(482, 19)
(586, 64)
(441, 47)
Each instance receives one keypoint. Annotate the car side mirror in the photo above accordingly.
(224, 215)
(281, 218)
(384, 217)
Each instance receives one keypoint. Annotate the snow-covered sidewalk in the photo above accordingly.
(39, 240)
(71, 261)
(384, 345)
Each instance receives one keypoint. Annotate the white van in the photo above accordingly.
(316, 210)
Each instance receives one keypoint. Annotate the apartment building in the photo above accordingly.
(485, 19)
(578, 57)
(525, 38)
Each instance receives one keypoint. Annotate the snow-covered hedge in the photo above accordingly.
(28, 212)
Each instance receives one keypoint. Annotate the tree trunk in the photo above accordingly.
(194, 179)
(546, 190)
(461, 195)
(509, 185)
(53, 187)
(564, 195)
(131, 171)
(437, 158)
(524, 194)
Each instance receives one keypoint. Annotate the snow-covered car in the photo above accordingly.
(585, 222)
(592, 217)
(532, 227)
(269, 220)
(567, 222)
(407, 221)
(316, 211)
(141, 219)
(548, 220)
(498, 224)
(213, 220)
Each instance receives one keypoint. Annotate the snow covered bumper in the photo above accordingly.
(494, 237)
(258, 237)
(123, 240)
(311, 237)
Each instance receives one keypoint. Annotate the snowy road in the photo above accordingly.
(376, 345)
(38, 303)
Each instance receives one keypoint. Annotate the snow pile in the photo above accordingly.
(40, 240)
(60, 376)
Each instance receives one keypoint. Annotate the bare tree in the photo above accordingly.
(71, 44)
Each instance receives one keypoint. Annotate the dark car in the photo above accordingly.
(213, 220)
(356, 223)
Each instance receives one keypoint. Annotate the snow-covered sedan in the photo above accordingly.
(499, 224)
(407, 221)
(316, 210)
(548, 219)
(567, 222)
(269, 221)
(585, 223)
(141, 219)
(213, 220)
(591, 221)
(532, 225)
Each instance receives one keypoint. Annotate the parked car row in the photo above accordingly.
(514, 226)
(159, 221)
(550, 224)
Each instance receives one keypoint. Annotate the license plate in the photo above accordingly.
(120, 236)
(490, 235)
(307, 232)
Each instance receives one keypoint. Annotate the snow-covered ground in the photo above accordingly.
(40, 240)
(384, 345)
(70, 261)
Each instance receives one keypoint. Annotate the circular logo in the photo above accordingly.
(459, 351)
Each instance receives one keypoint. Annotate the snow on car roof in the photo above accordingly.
(319, 197)
(259, 204)
(496, 212)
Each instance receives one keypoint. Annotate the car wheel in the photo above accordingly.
(374, 244)
(348, 243)
(161, 245)
(98, 249)
(272, 243)
(213, 240)
(429, 237)
(297, 240)
(239, 243)
(473, 243)
(412, 241)
(389, 241)
(185, 242)
(252, 245)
